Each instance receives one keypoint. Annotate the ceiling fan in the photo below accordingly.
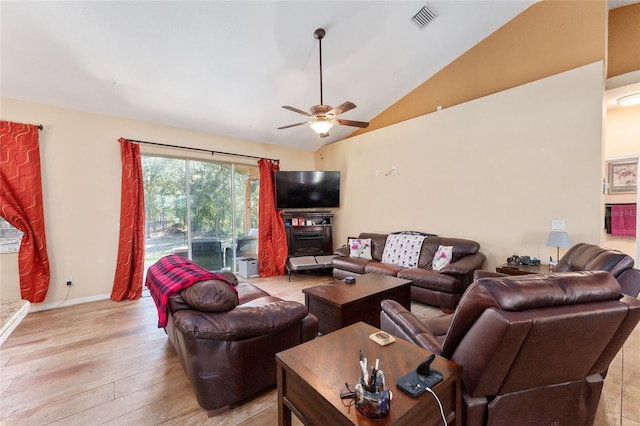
(324, 116)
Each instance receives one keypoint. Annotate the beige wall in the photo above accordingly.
(81, 168)
(622, 139)
(496, 170)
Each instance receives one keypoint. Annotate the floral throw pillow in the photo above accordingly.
(360, 247)
(442, 257)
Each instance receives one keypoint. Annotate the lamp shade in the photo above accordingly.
(558, 239)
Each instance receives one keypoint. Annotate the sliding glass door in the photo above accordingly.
(203, 210)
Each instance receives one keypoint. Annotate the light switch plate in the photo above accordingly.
(557, 224)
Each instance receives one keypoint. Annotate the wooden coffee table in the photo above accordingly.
(339, 304)
(311, 376)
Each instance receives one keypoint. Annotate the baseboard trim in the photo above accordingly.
(46, 306)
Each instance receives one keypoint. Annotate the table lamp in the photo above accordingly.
(558, 239)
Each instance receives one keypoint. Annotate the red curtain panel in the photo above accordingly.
(21, 205)
(272, 239)
(127, 283)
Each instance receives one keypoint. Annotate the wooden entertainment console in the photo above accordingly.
(309, 233)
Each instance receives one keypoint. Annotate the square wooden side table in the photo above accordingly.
(312, 375)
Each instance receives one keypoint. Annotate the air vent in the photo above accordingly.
(423, 17)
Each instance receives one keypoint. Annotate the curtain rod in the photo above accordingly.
(212, 152)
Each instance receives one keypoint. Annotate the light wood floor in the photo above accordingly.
(107, 363)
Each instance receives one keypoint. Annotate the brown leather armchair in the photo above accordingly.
(228, 351)
(534, 348)
(590, 257)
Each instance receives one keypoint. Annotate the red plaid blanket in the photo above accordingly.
(171, 274)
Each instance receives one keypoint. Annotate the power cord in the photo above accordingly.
(444, 419)
(65, 298)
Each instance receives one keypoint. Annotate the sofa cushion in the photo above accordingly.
(403, 249)
(433, 280)
(461, 248)
(383, 268)
(429, 248)
(210, 296)
(377, 244)
(360, 247)
(248, 292)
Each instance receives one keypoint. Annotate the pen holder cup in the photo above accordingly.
(372, 404)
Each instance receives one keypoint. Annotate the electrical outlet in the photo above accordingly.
(69, 280)
(557, 224)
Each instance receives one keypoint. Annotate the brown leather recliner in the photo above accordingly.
(228, 351)
(590, 257)
(534, 348)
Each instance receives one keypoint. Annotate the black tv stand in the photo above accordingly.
(309, 233)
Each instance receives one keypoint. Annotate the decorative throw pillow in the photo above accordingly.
(442, 257)
(360, 247)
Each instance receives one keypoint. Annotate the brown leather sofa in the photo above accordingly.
(534, 348)
(228, 351)
(438, 288)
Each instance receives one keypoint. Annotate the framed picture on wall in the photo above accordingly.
(623, 176)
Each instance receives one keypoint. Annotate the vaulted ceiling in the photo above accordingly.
(227, 67)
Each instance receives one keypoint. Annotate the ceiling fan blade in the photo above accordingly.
(347, 106)
(351, 123)
(299, 111)
(294, 125)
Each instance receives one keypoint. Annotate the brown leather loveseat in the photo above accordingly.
(228, 351)
(534, 348)
(438, 288)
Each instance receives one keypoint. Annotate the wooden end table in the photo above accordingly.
(339, 304)
(311, 376)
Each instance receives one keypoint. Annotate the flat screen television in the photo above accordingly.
(307, 189)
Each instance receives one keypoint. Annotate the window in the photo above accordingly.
(10, 237)
(203, 210)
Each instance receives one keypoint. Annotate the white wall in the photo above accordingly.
(81, 168)
(496, 170)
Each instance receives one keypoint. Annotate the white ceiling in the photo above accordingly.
(227, 67)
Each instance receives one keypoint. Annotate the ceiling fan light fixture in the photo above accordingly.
(324, 116)
(629, 100)
(321, 127)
